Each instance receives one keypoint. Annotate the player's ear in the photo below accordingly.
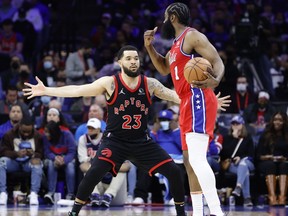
(172, 18)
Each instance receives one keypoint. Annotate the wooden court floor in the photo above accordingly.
(131, 211)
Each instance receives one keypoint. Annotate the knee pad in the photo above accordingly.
(197, 146)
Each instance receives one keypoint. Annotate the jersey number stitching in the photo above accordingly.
(128, 119)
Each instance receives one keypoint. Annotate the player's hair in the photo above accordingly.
(181, 11)
(125, 48)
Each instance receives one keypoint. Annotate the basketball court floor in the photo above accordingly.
(12, 210)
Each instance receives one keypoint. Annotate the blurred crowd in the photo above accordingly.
(75, 42)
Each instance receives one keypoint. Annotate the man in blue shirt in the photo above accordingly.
(15, 116)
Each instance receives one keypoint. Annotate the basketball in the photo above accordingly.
(194, 68)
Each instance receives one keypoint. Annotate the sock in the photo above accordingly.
(76, 208)
(180, 209)
(197, 203)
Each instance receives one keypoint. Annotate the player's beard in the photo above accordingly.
(131, 73)
(167, 30)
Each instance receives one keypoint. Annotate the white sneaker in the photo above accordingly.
(169, 202)
(138, 201)
(33, 199)
(3, 198)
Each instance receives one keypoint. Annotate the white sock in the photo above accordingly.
(197, 150)
(197, 203)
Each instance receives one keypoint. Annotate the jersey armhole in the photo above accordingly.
(115, 93)
(146, 90)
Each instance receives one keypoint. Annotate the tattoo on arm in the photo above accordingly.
(162, 92)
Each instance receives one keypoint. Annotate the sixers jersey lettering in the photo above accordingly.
(128, 109)
(198, 106)
(177, 61)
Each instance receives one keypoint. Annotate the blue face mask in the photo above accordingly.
(47, 65)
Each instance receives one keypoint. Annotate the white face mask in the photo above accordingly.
(241, 87)
(164, 125)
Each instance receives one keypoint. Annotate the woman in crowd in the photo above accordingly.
(60, 151)
(238, 153)
(272, 154)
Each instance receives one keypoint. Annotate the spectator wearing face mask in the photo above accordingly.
(241, 97)
(11, 72)
(24, 75)
(48, 72)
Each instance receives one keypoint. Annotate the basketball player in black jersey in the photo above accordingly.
(126, 137)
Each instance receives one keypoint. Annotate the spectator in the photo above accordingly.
(272, 155)
(60, 152)
(57, 105)
(104, 32)
(15, 116)
(26, 29)
(82, 105)
(101, 101)
(56, 116)
(258, 114)
(166, 133)
(238, 152)
(109, 69)
(39, 107)
(13, 71)
(48, 72)
(95, 111)
(25, 75)
(215, 147)
(12, 98)
(87, 147)
(11, 43)
(242, 97)
(22, 149)
(79, 65)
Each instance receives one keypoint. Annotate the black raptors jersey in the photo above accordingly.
(128, 109)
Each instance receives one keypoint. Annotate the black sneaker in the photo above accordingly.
(247, 202)
(237, 191)
(106, 201)
(72, 214)
(95, 200)
(48, 198)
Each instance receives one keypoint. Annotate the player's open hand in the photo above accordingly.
(210, 82)
(34, 90)
(149, 36)
(223, 101)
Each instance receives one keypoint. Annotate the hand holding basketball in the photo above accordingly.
(195, 68)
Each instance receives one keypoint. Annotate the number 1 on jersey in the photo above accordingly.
(176, 73)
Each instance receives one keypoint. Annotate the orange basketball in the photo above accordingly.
(194, 69)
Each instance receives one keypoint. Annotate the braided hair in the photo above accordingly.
(181, 11)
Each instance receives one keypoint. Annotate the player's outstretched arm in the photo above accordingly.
(92, 89)
(160, 91)
(223, 102)
(160, 62)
